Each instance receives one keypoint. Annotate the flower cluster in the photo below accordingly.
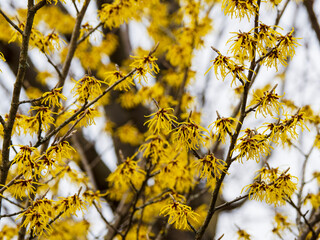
(189, 134)
(144, 65)
(266, 102)
(252, 145)
(240, 9)
(179, 214)
(273, 187)
(162, 120)
(286, 129)
(116, 13)
(51, 98)
(127, 174)
(209, 166)
(223, 66)
(87, 88)
(223, 127)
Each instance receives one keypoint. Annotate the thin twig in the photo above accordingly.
(105, 220)
(10, 22)
(302, 215)
(53, 65)
(229, 203)
(89, 33)
(12, 202)
(12, 214)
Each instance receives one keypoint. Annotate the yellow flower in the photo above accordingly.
(243, 235)
(224, 66)
(129, 100)
(274, 58)
(266, 36)
(275, 192)
(162, 121)
(190, 135)
(90, 196)
(127, 173)
(114, 76)
(155, 148)
(287, 44)
(116, 13)
(240, 9)
(223, 127)
(63, 149)
(281, 222)
(43, 116)
(128, 133)
(243, 45)
(317, 141)
(47, 44)
(22, 188)
(286, 129)
(179, 55)
(88, 117)
(8, 232)
(52, 98)
(209, 166)
(87, 88)
(252, 146)
(26, 161)
(314, 199)
(179, 214)
(266, 102)
(148, 62)
(70, 205)
(36, 221)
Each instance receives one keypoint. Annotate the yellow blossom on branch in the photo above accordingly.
(162, 121)
(52, 98)
(59, 151)
(266, 36)
(209, 166)
(282, 222)
(128, 133)
(243, 235)
(22, 188)
(286, 129)
(243, 46)
(189, 134)
(240, 9)
(223, 127)
(266, 102)
(87, 117)
(148, 62)
(90, 196)
(114, 76)
(116, 13)
(70, 205)
(273, 58)
(87, 88)
(179, 214)
(155, 148)
(127, 173)
(224, 66)
(314, 199)
(43, 116)
(26, 161)
(275, 192)
(252, 146)
(287, 44)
